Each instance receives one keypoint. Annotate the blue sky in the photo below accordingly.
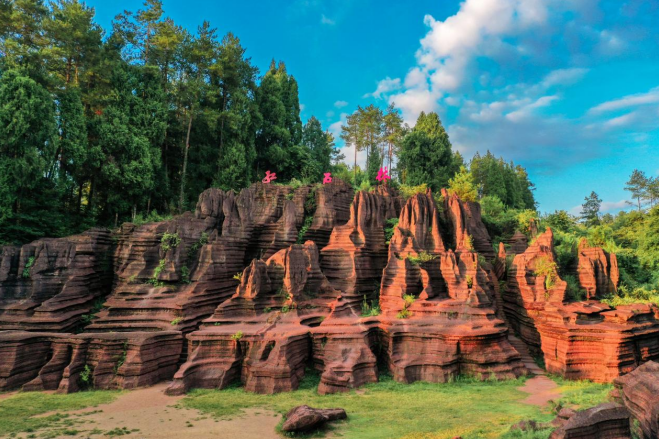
(567, 88)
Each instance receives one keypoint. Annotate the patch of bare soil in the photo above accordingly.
(541, 390)
(149, 413)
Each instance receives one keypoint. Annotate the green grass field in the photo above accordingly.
(467, 407)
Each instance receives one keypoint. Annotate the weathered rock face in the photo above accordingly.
(49, 284)
(468, 229)
(356, 253)
(586, 340)
(639, 392)
(606, 421)
(67, 362)
(597, 271)
(332, 208)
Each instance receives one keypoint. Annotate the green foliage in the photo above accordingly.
(156, 273)
(122, 357)
(151, 217)
(463, 185)
(237, 336)
(506, 181)
(590, 209)
(185, 275)
(426, 155)
(469, 243)
(574, 292)
(547, 268)
(176, 321)
(238, 276)
(421, 258)
(389, 228)
(404, 314)
(194, 248)
(303, 230)
(86, 319)
(169, 241)
(370, 310)
(408, 192)
(27, 267)
(470, 281)
(627, 296)
(87, 377)
(409, 299)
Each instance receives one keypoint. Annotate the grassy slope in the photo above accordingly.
(388, 409)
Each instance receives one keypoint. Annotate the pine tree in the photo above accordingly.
(638, 186)
(590, 210)
(463, 185)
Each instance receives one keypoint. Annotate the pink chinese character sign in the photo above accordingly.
(383, 175)
(269, 176)
(328, 178)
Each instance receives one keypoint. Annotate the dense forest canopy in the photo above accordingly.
(99, 127)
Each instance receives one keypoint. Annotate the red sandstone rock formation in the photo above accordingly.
(49, 284)
(332, 202)
(639, 392)
(304, 418)
(597, 271)
(585, 340)
(469, 232)
(356, 253)
(606, 421)
(51, 361)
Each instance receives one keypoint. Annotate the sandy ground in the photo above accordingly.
(541, 390)
(148, 413)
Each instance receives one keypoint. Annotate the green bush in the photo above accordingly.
(28, 266)
(547, 268)
(237, 336)
(169, 241)
(389, 228)
(370, 310)
(574, 292)
(410, 191)
(404, 314)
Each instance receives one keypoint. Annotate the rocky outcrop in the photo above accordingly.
(606, 421)
(639, 392)
(597, 271)
(304, 418)
(586, 340)
(332, 208)
(469, 232)
(50, 284)
(356, 253)
(67, 362)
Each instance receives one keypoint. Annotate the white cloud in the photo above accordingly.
(629, 101)
(335, 128)
(605, 207)
(564, 77)
(526, 110)
(326, 20)
(302, 107)
(340, 104)
(385, 86)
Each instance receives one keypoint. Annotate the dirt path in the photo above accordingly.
(149, 413)
(541, 390)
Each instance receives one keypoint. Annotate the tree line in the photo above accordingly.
(98, 127)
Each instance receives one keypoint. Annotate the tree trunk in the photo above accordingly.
(355, 167)
(185, 163)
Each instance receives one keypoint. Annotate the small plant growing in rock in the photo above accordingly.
(303, 230)
(176, 321)
(370, 310)
(389, 228)
(267, 309)
(547, 268)
(185, 275)
(409, 300)
(404, 313)
(28, 266)
(237, 336)
(203, 240)
(470, 281)
(238, 276)
(422, 257)
(169, 241)
(469, 242)
(156, 273)
(86, 376)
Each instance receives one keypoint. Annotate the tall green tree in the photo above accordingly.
(637, 185)
(426, 156)
(364, 129)
(590, 209)
(27, 151)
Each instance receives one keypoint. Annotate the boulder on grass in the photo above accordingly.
(305, 418)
